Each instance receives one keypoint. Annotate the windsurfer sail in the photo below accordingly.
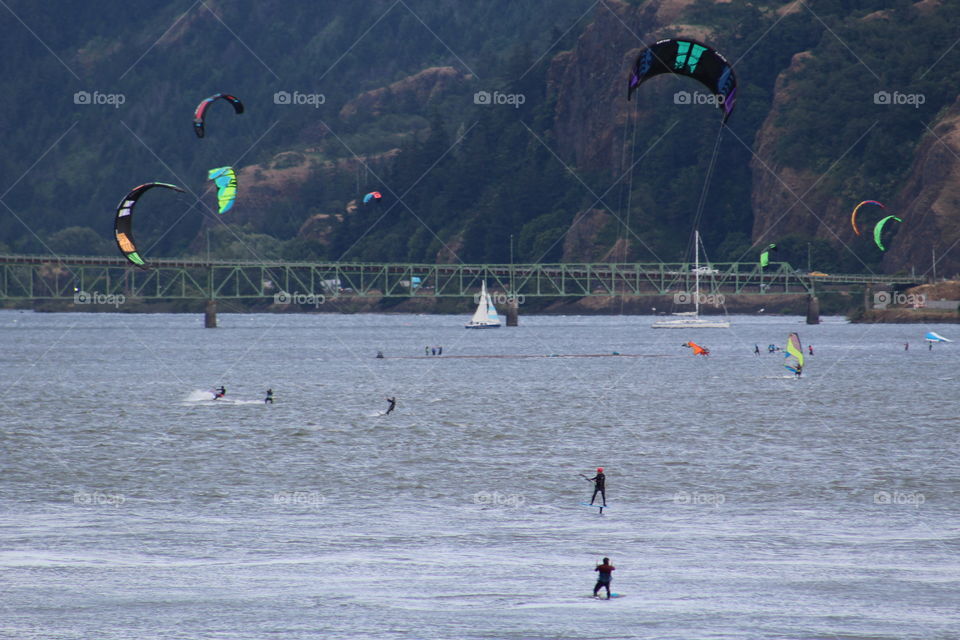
(794, 355)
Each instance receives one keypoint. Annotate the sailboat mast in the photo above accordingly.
(696, 272)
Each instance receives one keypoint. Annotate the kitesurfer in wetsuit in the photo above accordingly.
(393, 404)
(603, 580)
(269, 398)
(756, 349)
(219, 392)
(599, 486)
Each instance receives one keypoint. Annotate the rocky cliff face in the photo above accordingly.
(929, 203)
(411, 94)
(789, 200)
(785, 199)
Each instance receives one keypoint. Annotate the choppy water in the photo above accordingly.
(744, 504)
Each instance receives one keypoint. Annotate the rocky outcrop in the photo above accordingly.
(411, 94)
(319, 227)
(589, 82)
(785, 199)
(589, 85)
(929, 203)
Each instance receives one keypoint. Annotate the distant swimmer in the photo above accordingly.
(756, 349)
(599, 486)
(393, 405)
(603, 580)
(219, 392)
(269, 398)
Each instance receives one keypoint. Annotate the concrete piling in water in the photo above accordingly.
(813, 310)
(210, 315)
(513, 312)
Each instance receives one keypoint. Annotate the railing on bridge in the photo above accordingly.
(64, 278)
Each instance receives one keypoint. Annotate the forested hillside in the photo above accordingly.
(493, 129)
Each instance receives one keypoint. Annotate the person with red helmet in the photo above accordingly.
(599, 486)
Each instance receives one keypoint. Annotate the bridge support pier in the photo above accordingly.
(813, 309)
(513, 313)
(210, 315)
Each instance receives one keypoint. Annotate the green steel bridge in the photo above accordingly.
(45, 278)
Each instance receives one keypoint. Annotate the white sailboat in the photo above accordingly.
(485, 317)
(692, 320)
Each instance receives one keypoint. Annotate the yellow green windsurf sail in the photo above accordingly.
(794, 355)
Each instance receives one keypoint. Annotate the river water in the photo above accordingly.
(743, 503)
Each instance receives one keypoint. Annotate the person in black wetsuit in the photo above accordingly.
(219, 392)
(603, 580)
(269, 398)
(599, 486)
(799, 370)
(393, 404)
(756, 349)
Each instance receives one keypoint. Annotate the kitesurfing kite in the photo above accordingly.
(200, 114)
(689, 58)
(794, 354)
(373, 195)
(933, 336)
(878, 230)
(697, 349)
(765, 255)
(123, 223)
(853, 216)
(226, 181)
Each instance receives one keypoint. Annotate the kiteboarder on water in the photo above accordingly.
(219, 392)
(603, 580)
(393, 404)
(599, 486)
(269, 398)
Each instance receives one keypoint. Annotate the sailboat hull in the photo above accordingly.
(689, 323)
(482, 326)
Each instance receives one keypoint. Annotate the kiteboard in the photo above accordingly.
(604, 596)
(599, 506)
